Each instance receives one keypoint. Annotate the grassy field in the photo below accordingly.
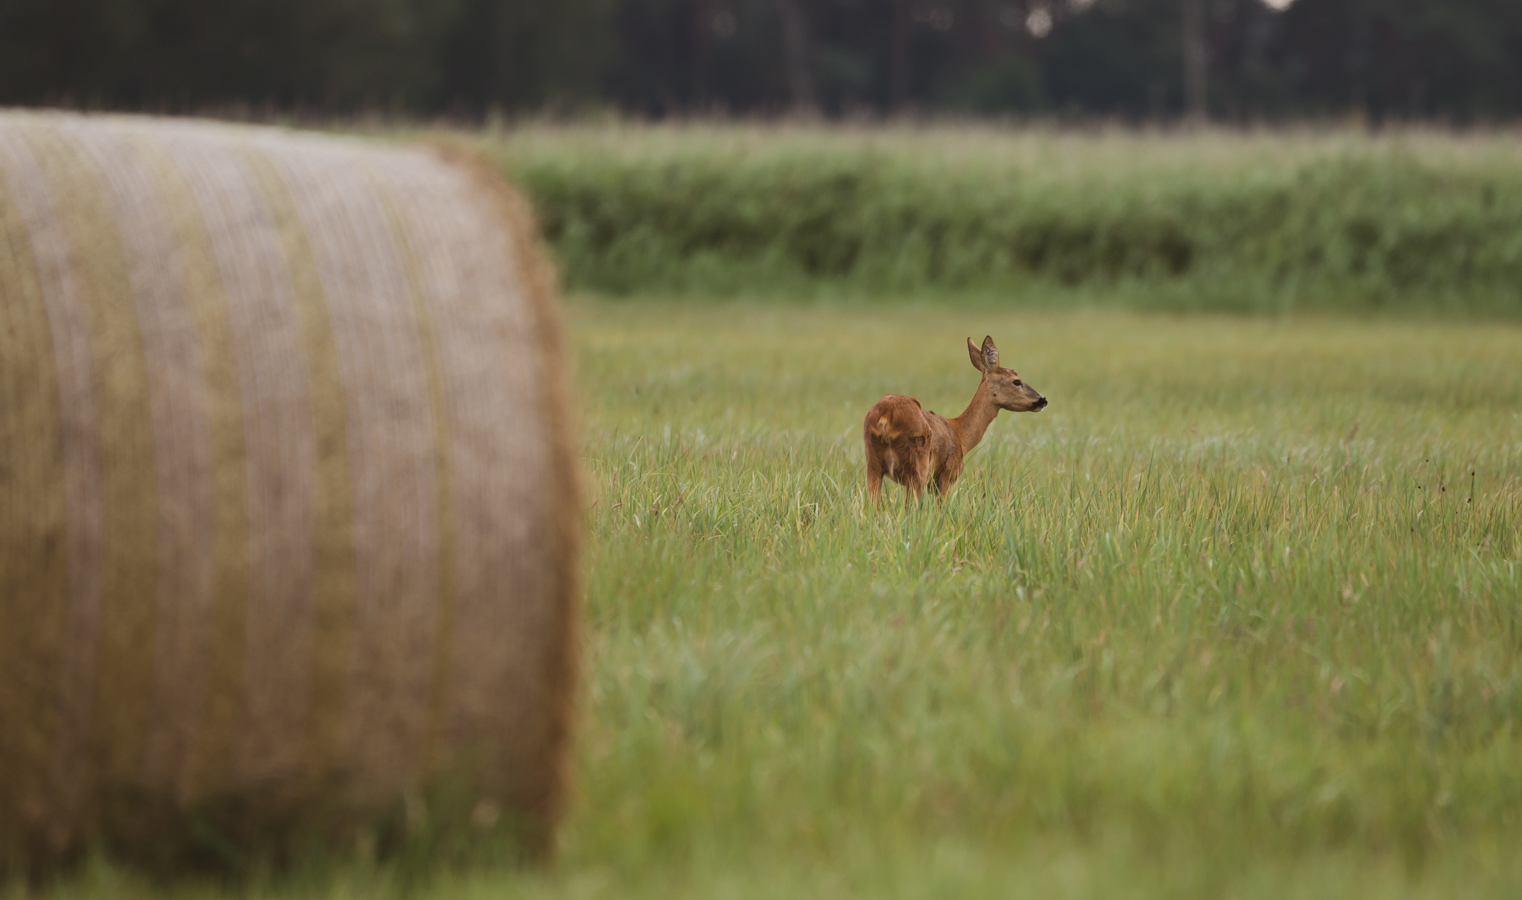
(1237, 616)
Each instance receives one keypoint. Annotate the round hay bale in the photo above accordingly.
(288, 507)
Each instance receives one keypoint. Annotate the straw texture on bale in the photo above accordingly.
(288, 509)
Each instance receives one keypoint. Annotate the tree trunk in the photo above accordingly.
(898, 57)
(1196, 108)
(508, 24)
(795, 51)
(702, 50)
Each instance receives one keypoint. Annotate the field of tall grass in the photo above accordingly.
(1237, 616)
(1417, 221)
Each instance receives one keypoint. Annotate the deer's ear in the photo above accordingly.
(990, 353)
(976, 354)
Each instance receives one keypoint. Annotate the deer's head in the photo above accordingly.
(1005, 386)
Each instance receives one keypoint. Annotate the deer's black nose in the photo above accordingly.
(1041, 404)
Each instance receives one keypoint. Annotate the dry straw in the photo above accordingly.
(288, 509)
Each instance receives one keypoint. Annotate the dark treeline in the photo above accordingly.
(1233, 60)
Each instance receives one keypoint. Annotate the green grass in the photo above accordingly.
(1231, 618)
(1221, 221)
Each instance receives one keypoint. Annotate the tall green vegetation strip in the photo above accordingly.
(1215, 221)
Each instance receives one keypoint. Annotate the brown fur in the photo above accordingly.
(911, 445)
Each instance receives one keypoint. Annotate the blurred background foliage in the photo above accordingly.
(1384, 217)
(1457, 60)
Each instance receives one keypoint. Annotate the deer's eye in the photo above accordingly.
(1016, 382)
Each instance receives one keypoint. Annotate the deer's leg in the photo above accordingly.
(874, 477)
(914, 484)
(946, 476)
(943, 482)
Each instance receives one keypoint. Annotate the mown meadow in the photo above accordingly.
(1238, 615)
(1242, 605)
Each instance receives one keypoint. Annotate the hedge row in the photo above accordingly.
(1238, 220)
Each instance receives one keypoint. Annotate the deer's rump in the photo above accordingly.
(900, 433)
(289, 519)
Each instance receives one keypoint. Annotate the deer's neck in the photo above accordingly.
(974, 420)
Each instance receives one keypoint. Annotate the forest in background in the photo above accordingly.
(1233, 61)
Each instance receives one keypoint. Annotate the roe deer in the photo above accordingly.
(908, 443)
